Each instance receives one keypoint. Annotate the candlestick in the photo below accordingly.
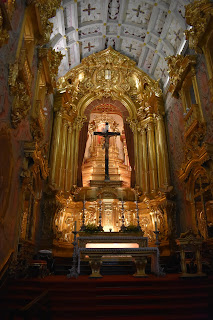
(123, 228)
(156, 227)
(137, 213)
(73, 272)
(83, 217)
(100, 218)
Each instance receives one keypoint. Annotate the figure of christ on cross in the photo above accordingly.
(106, 134)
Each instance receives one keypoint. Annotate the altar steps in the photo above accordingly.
(112, 297)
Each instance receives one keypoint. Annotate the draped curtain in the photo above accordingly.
(81, 150)
(130, 149)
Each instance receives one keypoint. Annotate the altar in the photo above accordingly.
(112, 240)
(95, 247)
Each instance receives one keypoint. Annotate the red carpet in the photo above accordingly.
(112, 297)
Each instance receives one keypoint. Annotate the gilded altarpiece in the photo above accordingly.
(109, 74)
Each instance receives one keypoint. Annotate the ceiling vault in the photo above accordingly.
(146, 31)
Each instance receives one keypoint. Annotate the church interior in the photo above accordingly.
(106, 155)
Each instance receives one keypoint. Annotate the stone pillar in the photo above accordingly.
(152, 157)
(55, 146)
(162, 144)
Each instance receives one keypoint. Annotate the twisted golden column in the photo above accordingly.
(55, 146)
(162, 145)
(63, 154)
(68, 160)
(145, 174)
(152, 157)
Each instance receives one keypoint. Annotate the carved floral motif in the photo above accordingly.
(108, 74)
(50, 60)
(198, 15)
(21, 103)
(4, 35)
(178, 68)
(45, 9)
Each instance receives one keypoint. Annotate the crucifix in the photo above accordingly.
(106, 134)
(89, 9)
(138, 10)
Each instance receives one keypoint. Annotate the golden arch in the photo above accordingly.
(108, 74)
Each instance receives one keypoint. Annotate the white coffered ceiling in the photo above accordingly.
(145, 30)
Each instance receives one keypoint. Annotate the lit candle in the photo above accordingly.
(75, 226)
(156, 228)
(135, 196)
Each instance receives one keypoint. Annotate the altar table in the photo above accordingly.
(139, 255)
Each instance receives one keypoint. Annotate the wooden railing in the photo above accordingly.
(38, 308)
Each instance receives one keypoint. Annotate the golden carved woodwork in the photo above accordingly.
(20, 80)
(105, 74)
(108, 74)
(5, 26)
(50, 61)
(178, 67)
(39, 155)
(183, 80)
(190, 242)
(197, 156)
(21, 103)
(44, 11)
(198, 15)
(6, 170)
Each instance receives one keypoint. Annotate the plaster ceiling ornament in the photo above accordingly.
(147, 31)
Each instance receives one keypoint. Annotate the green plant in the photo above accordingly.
(132, 228)
(91, 228)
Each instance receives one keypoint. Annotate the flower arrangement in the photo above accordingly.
(132, 228)
(91, 228)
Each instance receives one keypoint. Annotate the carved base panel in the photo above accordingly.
(95, 264)
(140, 263)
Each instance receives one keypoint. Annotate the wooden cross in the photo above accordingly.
(130, 48)
(89, 9)
(89, 47)
(107, 135)
(138, 10)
